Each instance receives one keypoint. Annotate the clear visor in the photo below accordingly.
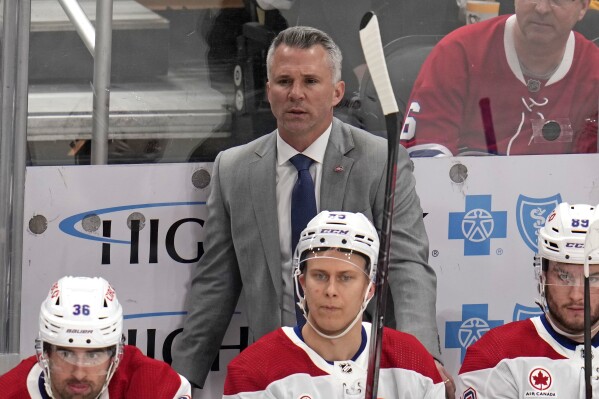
(62, 358)
(567, 278)
(345, 262)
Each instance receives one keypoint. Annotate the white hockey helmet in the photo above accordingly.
(80, 312)
(346, 231)
(562, 238)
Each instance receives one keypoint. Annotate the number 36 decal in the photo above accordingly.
(81, 310)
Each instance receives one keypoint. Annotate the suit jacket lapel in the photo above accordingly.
(336, 168)
(264, 197)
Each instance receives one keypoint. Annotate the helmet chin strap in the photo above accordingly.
(44, 363)
(302, 303)
(574, 337)
(542, 302)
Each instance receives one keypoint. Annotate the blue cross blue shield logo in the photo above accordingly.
(474, 324)
(477, 225)
(531, 214)
(522, 312)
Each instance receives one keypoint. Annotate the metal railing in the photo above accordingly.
(13, 137)
(99, 44)
(13, 144)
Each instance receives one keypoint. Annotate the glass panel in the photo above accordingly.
(188, 79)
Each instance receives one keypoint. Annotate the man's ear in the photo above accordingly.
(338, 92)
(584, 9)
(371, 291)
(302, 281)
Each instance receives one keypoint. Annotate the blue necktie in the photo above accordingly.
(303, 209)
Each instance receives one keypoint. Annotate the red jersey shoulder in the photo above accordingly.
(142, 376)
(510, 341)
(585, 60)
(276, 353)
(271, 358)
(402, 350)
(13, 383)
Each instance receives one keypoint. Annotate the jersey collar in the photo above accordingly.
(298, 332)
(564, 341)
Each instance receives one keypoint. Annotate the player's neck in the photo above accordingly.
(540, 60)
(338, 349)
(302, 139)
(574, 336)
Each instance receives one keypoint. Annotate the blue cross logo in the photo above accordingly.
(474, 324)
(477, 225)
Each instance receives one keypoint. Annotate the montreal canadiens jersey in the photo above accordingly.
(525, 359)
(137, 376)
(472, 97)
(280, 365)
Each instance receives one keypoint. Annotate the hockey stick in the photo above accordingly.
(487, 117)
(591, 244)
(370, 38)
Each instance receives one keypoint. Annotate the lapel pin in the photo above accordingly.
(338, 169)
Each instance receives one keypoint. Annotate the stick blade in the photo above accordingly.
(372, 46)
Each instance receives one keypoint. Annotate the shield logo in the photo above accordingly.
(522, 312)
(531, 214)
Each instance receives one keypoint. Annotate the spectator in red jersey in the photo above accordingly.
(514, 84)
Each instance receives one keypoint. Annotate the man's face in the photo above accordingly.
(564, 292)
(334, 285)
(543, 22)
(301, 92)
(78, 373)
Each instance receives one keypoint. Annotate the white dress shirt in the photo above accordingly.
(286, 178)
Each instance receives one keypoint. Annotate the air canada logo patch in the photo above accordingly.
(541, 381)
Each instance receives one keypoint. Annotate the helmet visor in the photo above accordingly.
(96, 360)
(325, 257)
(561, 277)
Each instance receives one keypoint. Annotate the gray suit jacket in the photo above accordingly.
(241, 242)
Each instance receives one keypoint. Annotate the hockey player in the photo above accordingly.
(80, 352)
(543, 356)
(514, 84)
(335, 263)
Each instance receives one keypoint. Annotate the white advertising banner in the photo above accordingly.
(481, 216)
(140, 227)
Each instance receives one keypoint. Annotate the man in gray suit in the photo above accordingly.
(247, 233)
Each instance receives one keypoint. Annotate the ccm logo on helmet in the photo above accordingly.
(574, 245)
(334, 231)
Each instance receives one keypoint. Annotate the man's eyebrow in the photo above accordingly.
(317, 269)
(63, 348)
(311, 76)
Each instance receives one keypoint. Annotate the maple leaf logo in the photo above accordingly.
(540, 379)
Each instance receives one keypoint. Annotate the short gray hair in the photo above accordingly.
(305, 37)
